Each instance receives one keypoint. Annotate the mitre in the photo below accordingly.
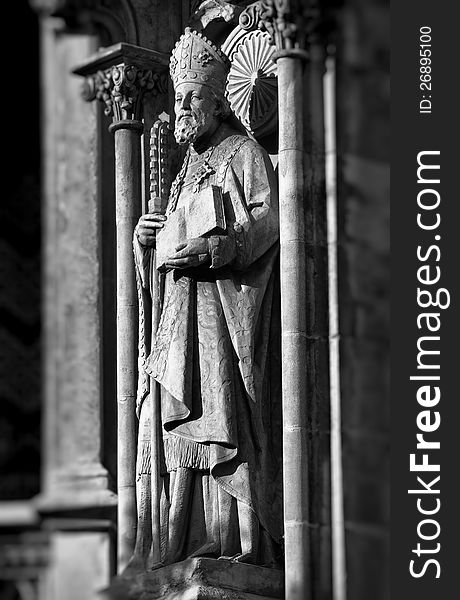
(197, 59)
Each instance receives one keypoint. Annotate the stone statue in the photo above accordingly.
(215, 354)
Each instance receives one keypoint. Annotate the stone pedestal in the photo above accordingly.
(200, 579)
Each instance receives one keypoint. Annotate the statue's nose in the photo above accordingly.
(185, 102)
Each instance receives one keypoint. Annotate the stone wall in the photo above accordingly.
(363, 204)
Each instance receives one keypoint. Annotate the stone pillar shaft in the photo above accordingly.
(293, 325)
(73, 474)
(317, 306)
(128, 210)
(294, 27)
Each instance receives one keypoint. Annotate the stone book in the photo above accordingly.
(202, 216)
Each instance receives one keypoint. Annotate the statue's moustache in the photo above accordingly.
(185, 115)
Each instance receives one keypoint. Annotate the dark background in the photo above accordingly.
(19, 258)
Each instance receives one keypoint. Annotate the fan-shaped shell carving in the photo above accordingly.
(252, 87)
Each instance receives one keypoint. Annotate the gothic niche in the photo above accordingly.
(208, 469)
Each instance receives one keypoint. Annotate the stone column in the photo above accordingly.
(77, 499)
(292, 25)
(120, 76)
(293, 321)
(74, 477)
(318, 305)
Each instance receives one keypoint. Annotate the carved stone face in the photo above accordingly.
(196, 112)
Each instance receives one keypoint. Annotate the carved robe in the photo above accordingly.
(216, 358)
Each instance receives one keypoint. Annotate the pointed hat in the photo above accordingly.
(197, 59)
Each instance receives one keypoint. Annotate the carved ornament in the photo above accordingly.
(289, 23)
(121, 75)
(122, 88)
(252, 87)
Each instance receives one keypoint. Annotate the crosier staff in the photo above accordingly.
(159, 192)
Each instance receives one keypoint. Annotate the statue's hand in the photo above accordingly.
(191, 254)
(146, 227)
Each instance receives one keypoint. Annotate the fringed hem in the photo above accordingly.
(144, 466)
(178, 452)
(181, 452)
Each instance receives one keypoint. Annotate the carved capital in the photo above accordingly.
(120, 76)
(291, 24)
(122, 88)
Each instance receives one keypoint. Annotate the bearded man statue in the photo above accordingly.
(215, 355)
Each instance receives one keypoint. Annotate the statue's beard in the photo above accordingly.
(189, 126)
